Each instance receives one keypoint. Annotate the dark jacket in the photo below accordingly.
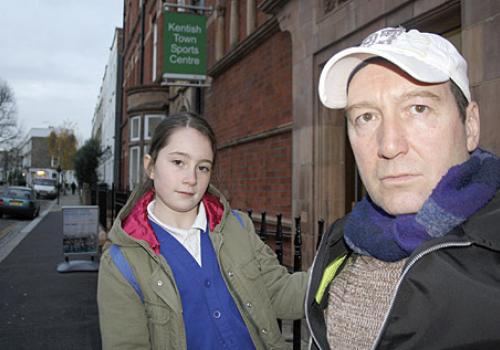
(448, 295)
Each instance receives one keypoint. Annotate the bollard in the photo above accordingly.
(297, 266)
(263, 228)
(321, 228)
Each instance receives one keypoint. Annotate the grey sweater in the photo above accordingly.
(359, 298)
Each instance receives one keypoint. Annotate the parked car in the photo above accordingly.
(45, 188)
(19, 201)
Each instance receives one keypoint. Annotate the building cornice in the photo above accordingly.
(146, 88)
(271, 6)
(278, 130)
(262, 33)
(145, 98)
(150, 108)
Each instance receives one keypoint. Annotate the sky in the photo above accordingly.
(53, 55)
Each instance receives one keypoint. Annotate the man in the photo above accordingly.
(416, 264)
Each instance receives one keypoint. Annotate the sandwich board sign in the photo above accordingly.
(80, 228)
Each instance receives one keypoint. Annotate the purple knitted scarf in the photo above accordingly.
(465, 189)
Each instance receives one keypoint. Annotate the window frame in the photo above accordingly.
(155, 50)
(147, 117)
(131, 131)
(130, 167)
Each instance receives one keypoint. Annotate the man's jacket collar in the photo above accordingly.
(483, 228)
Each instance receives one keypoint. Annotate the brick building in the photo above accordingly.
(34, 154)
(324, 175)
(275, 135)
(145, 101)
(249, 105)
(280, 150)
(35, 149)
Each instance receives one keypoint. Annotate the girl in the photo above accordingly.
(184, 271)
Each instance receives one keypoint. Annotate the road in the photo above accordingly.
(7, 222)
(13, 230)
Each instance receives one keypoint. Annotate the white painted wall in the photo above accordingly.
(105, 114)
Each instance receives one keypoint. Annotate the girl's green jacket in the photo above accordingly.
(262, 288)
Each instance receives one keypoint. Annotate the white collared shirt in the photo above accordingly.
(190, 238)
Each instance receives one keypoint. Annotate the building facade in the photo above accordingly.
(249, 105)
(247, 101)
(35, 149)
(11, 171)
(107, 115)
(34, 153)
(280, 150)
(145, 100)
(325, 183)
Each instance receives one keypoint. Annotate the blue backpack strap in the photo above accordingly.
(124, 267)
(238, 217)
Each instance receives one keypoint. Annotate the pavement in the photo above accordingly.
(41, 308)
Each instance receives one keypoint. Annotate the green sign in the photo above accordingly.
(185, 52)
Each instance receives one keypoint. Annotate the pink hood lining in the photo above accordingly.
(137, 226)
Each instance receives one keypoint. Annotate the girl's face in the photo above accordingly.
(181, 176)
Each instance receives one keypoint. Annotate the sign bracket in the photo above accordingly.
(191, 83)
(207, 9)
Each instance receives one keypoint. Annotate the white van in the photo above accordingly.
(45, 188)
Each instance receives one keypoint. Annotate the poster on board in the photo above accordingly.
(80, 229)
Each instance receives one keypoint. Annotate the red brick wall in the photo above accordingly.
(251, 97)
(211, 25)
(257, 175)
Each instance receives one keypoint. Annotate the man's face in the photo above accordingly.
(405, 135)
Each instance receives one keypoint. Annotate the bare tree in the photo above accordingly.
(8, 118)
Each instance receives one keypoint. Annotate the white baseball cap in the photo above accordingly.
(427, 57)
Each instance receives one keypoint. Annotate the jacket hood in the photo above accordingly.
(133, 218)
